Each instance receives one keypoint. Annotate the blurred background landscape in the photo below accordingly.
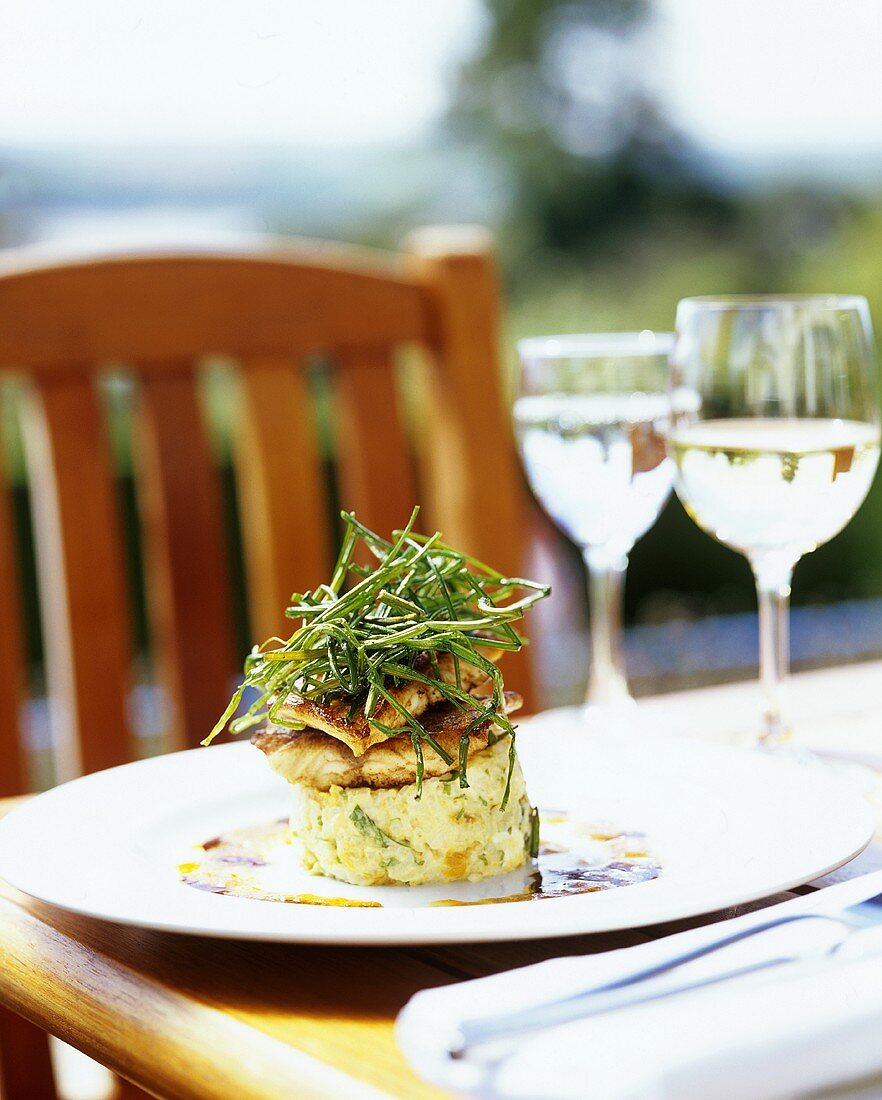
(624, 152)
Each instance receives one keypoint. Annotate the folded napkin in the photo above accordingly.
(783, 1032)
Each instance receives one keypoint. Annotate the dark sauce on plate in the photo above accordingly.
(249, 863)
(561, 878)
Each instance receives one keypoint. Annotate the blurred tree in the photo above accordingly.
(609, 215)
(558, 95)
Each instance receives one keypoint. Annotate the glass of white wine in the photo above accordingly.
(591, 416)
(780, 448)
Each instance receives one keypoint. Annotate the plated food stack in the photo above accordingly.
(386, 713)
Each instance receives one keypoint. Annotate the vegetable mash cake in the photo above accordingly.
(387, 714)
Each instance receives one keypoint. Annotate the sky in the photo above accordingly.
(774, 76)
(219, 72)
(743, 77)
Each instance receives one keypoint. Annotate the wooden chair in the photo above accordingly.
(445, 442)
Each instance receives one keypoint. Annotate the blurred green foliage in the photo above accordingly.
(676, 569)
(605, 217)
(555, 98)
(610, 216)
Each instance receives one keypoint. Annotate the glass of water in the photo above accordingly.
(780, 450)
(591, 416)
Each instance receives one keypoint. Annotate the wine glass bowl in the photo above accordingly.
(780, 445)
(591, 416)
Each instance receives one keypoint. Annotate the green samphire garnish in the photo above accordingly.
(365, 631)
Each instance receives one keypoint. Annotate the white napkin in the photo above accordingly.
(781, 1033)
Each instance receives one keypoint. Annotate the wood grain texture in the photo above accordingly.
(268, 302)
(472, 482)
(262, 300)
(185, 551)
(170, 1044)
(472, 468)
(281, 489)
(83, 597)
(187, 1017)
(376, 471)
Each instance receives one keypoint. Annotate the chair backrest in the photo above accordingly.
(442, 439)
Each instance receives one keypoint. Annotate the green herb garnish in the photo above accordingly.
(534, 832)
(366, 825)
(371, 829)
(463, 759)
(365, 631)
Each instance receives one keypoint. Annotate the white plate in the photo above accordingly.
(728, 825)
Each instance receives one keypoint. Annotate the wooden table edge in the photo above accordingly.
(64, 1010)
(73, 1008)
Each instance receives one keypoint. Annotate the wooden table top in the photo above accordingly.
(198, 1018)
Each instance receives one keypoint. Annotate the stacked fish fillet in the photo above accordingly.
(358, 814)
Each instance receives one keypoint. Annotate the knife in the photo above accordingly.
(823, 929)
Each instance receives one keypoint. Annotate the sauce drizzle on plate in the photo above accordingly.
(574, 858)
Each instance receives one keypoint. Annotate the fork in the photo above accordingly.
(640, 986)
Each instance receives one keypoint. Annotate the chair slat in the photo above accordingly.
(186, 569)
(25, 1066)
(158, 307)
(83, 598)
(13, 768)
(282, 495)
(262, 302)
(473, 484)
(377, 479)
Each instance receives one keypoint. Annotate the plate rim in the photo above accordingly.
(569, 922)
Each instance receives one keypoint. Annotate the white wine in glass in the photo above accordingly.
(591, 416)
(782, 447)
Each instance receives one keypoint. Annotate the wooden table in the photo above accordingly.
(200, 1018)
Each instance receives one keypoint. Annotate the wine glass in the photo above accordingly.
(591, 415)
(780, 450)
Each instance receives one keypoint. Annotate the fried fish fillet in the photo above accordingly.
(335, 717)
(321, 762)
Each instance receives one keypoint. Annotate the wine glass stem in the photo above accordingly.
(773, 597)
(606, 680)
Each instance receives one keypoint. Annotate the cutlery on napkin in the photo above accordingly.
(775, 1031)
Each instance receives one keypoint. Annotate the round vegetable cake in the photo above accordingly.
(378, 837)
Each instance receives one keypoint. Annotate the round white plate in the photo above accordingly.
(728, 825)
